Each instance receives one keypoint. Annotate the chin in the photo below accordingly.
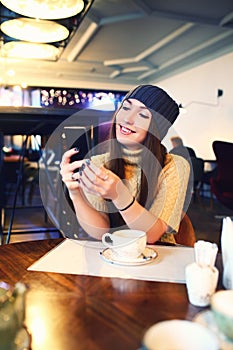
(127, 143)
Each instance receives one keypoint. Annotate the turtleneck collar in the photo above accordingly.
(132, 156)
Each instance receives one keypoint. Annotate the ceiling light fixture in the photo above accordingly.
(33, 24)
(27, 50)
(45, 9)
(10, 72)
(37, 31)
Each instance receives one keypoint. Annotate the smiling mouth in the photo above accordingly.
(126, 131)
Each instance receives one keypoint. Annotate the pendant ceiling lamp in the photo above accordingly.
(16, 49)
(45, 9)
(38, 31)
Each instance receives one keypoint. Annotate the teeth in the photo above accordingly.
(125, 130)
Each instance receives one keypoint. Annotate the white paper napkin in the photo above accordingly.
(227, 252)
(83, 258)
(205, 253)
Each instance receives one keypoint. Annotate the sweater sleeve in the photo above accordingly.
(172, 187)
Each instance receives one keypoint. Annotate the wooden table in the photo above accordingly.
(72, 312)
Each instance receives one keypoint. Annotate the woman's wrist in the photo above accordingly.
(124, 198)
(127, 206)
(76, 194)
(124, 201)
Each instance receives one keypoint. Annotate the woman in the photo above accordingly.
(136, 184)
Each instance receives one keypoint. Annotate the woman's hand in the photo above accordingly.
(103, 182)
(67, 170)
(99, 181)
(95, 223)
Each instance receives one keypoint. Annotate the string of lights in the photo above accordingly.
(79, 98)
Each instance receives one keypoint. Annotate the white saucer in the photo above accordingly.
(206, 318)
(148, 256)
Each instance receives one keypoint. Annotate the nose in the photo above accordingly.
(129, 118)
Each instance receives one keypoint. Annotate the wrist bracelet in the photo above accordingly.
(129, 205)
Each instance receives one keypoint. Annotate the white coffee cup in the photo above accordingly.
(179, 335)
(222, 308)
(201, 283)
(126, 244)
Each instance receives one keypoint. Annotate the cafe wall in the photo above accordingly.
(207, 117)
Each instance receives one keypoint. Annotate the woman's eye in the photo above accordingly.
(145, 116)
(125, 108)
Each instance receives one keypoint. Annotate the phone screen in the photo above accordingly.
(79, 137)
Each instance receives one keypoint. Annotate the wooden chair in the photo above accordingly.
(186, 235)
(198, 173)
(222, 184)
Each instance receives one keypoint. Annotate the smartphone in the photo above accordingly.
(79, 137)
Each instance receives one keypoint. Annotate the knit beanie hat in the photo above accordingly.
(158, 101)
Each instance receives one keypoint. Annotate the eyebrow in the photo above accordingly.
(142, 107)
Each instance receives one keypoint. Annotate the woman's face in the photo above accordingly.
(132, 123)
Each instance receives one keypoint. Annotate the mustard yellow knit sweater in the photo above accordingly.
(171, 191)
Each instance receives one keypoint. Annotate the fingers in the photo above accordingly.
(93, 172)
(67, 155)
(98, 180)
(67, 169)
(89, 177)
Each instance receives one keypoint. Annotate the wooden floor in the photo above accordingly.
(29, 223)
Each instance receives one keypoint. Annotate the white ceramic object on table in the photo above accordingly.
(179, 335)
(206, 319)
(201, 283)
(148, 255)
(222, 308)
(227, 252)
(125, 244)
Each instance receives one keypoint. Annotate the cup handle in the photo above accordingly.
(107, 239)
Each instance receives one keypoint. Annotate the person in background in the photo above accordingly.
(136, 184)
(180, 149)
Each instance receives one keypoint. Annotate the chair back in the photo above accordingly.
(197, 174)
(186, 234)
(222, 184)
(198, 169)
(224, 157)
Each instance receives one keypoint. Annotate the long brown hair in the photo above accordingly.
(153, 157)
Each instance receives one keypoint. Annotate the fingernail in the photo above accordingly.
(80, 172)
(78, 181)
(83, 166)
(88, 162)
(76, 149)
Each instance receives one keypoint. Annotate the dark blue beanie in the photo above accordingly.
(158, 101)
